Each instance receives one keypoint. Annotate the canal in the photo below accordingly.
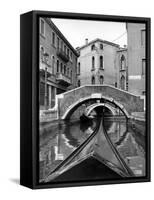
(58, 141)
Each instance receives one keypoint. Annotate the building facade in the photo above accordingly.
(58, 63)
(136, 58)
(99, 63)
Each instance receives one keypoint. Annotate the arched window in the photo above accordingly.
(101, 79)
(61, 67)
(93, 80)
(101, 62)
(92, 47)
(101, 46)
(123, 62)
(93, 63)
(57, 66)
(122, 83)
(79, 83)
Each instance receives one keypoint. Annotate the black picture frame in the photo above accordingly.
(29, 101)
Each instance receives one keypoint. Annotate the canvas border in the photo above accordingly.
(29, 65)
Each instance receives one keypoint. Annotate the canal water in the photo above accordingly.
(58, 141)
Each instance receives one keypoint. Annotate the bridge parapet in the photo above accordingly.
(73, 98)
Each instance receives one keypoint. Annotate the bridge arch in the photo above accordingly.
(76, 104)
(90, 108)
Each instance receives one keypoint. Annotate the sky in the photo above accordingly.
(76, 31)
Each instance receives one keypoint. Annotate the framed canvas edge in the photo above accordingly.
(35, 111)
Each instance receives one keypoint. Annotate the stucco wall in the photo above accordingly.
(136, 52)
(109, 61)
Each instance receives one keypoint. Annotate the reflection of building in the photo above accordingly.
(102, 62)
(58, 61)
(136, 57)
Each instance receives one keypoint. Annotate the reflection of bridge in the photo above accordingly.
(68, 102)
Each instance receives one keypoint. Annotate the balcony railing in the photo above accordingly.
(62, 55)
(63, 79)
(44, 70)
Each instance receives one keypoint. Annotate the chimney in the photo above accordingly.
(86, 41)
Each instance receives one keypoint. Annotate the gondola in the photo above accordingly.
(95, 158)
(84, 118)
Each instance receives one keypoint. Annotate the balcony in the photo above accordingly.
(62, 55)
(63, 79)
(44, 70)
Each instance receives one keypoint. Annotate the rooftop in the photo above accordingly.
(99, 40)
(55, 28)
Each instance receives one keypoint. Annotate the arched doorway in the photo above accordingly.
(79, 83)
(93, 80)
(122, 83)
(101, 79)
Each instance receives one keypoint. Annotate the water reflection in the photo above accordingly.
(126, 141)
(58, 142)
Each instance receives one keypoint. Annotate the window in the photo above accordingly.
(57, 43)
(42, 53)
(57, 66)
(143, 37)
(42, 27)
(143, 66)
(68, 71)
(123, 62)
(71, 56)
(78, 70)
(101, 62)
(53, 63)
(115, 84)
(79, 83)
(101, 79)
(46, 58)
(68, 52)
(93, 47)
(53, 38)
(65, 69)
(93, 63)
(61, 45)
(61, 67)
(65, 49)
(93, 80)
(101, 46)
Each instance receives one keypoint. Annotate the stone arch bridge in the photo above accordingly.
(68, 102)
